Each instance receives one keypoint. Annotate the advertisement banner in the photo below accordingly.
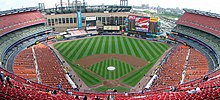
(91, 23)
(154, 19)
(131, 17)
(111, 28)
(79, 20)
(142, 24)
(90, 18)
(107, 28)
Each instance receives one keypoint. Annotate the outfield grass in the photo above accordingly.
(146, 50)
(121, 68)
(104, 88)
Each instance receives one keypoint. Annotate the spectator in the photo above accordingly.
(85, 97)
(2, 78)
(97, 98)
(54, 92)
(198, 89)
(191, 91)
(126, 94)
(59, 86)
(47, 90)
(8, 81)
(76, 97)
(66, 90)
(49, 93)
(115, 91)
(205, 78)
(28, 82)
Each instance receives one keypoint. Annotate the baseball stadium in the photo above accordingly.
(77, 51)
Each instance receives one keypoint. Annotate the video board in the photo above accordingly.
(142, 24)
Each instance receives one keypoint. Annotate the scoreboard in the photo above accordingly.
(143, 24)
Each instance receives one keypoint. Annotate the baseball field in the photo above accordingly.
(108, 62)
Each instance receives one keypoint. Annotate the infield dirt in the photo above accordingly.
(134, 61)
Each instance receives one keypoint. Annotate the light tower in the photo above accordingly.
(41, 6)
(84, 3)
(123, 2)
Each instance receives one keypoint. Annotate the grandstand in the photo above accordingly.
(18, 27)
(194, 27)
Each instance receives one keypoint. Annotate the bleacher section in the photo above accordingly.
(201, 20)
(170, 73)
(24, 65)
(197, 66)
(51, 72)
(16, 21)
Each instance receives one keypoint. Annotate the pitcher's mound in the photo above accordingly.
(111, 68)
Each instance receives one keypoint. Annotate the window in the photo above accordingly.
(103, 20)
(56, 21)
(60, 21)
(116, 20)
(99, 19)
(123, 20)
(71, 20)
(52, 21)
(75, 20)
(64, 21)
(49, 22)
(108, 20)
(120, 22)
(112, 21)
(67, 20)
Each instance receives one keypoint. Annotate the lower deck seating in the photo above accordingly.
(21, 89)
(170, 73)
(51, 72)
(197, 66)
(24, 65)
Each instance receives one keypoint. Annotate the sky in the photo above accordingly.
(204, 5)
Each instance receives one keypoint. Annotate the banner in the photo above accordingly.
(79, 20)
(152, 19)
(111, 28)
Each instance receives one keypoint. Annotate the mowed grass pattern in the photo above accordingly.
(121, 68)
(104, 88)
(74, 50)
